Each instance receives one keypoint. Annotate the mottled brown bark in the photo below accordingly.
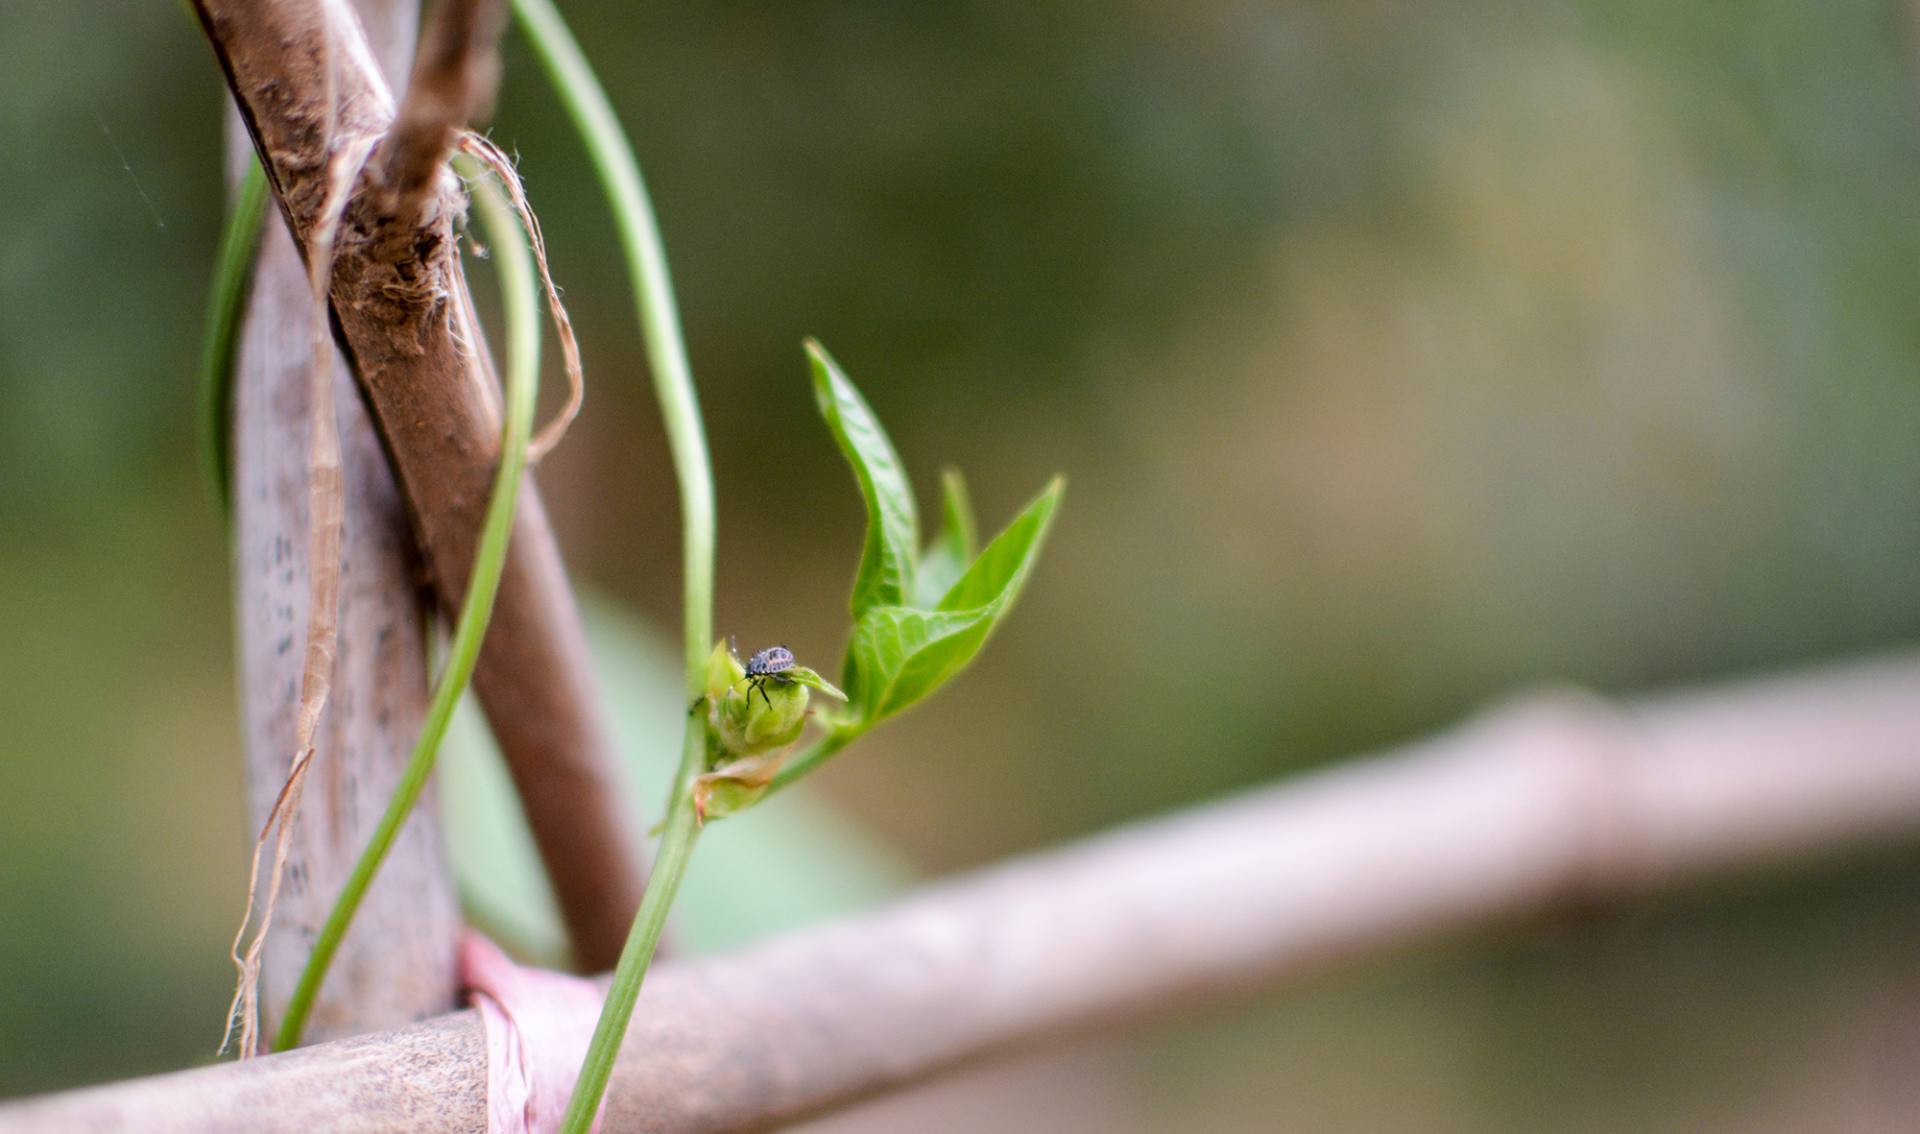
(308, 90)
(1556, 801)
(396, 965)
(453, 84)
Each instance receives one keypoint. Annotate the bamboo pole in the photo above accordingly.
(308, 90)
(1558, 799)
(397, 966)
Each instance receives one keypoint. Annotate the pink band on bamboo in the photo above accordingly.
(538, 1025)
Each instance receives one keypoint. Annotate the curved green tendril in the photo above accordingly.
(219, 337)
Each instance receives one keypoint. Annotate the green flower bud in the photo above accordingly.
(757, 718)
(751, 724)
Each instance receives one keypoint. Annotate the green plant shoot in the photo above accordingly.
(733, 752)
(898, 654)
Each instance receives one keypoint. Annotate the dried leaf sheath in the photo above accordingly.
(326, 520)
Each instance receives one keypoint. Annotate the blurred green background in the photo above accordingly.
(1399, 355)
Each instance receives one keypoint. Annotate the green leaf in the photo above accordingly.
(893, 536)
(899, 654)
(998, 574)
(801, 675)
(902, 654)
(950, 552)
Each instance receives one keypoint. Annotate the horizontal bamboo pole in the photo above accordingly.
(1557, 799)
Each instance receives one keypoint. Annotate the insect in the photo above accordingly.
(769, 664)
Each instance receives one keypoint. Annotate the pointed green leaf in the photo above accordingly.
(902, 654)
(950, 552)
(997, 575)
(886, 565)
(899, 655)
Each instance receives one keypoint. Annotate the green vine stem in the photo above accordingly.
(521, 305)
(226, 300)
(812, 757)
(619, 172)
(669, 867)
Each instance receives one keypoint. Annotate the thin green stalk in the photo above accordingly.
(815, 755)
(619, 171)
(680, 409)
(521, 306)
(226, 300)
(669, 867)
